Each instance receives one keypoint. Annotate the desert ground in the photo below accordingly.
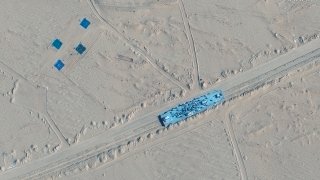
(96, 117)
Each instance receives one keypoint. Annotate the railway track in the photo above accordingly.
(232, 87)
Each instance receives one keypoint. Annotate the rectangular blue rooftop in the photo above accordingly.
(85, 23)
(57, 43)
(80, 48)
(59, 64)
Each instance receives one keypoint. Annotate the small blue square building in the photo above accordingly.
(59, 65)
(85, 23)
(57, 43)
(80, 48)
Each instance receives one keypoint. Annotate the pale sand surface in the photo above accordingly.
(146, 55)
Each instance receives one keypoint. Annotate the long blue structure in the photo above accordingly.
(191, 108)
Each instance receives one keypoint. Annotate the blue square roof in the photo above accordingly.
(80, 48)
(85, 23)
(59, 64)
(57, 43)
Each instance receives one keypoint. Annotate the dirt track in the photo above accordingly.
(232, 87)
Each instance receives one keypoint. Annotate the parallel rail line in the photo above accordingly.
(118, 136)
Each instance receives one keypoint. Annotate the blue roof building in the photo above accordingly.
(85, 23)
(57, 43)
(59, 65)
(80, 48)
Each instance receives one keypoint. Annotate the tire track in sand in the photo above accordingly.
(234, 144)
(148, 58)
(192, 48)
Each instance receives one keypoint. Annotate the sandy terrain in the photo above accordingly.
(97, 117)
(107, 146)
(25, 134)
(224, 37)
(275, 142)
(203, 152)
(278, 130)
